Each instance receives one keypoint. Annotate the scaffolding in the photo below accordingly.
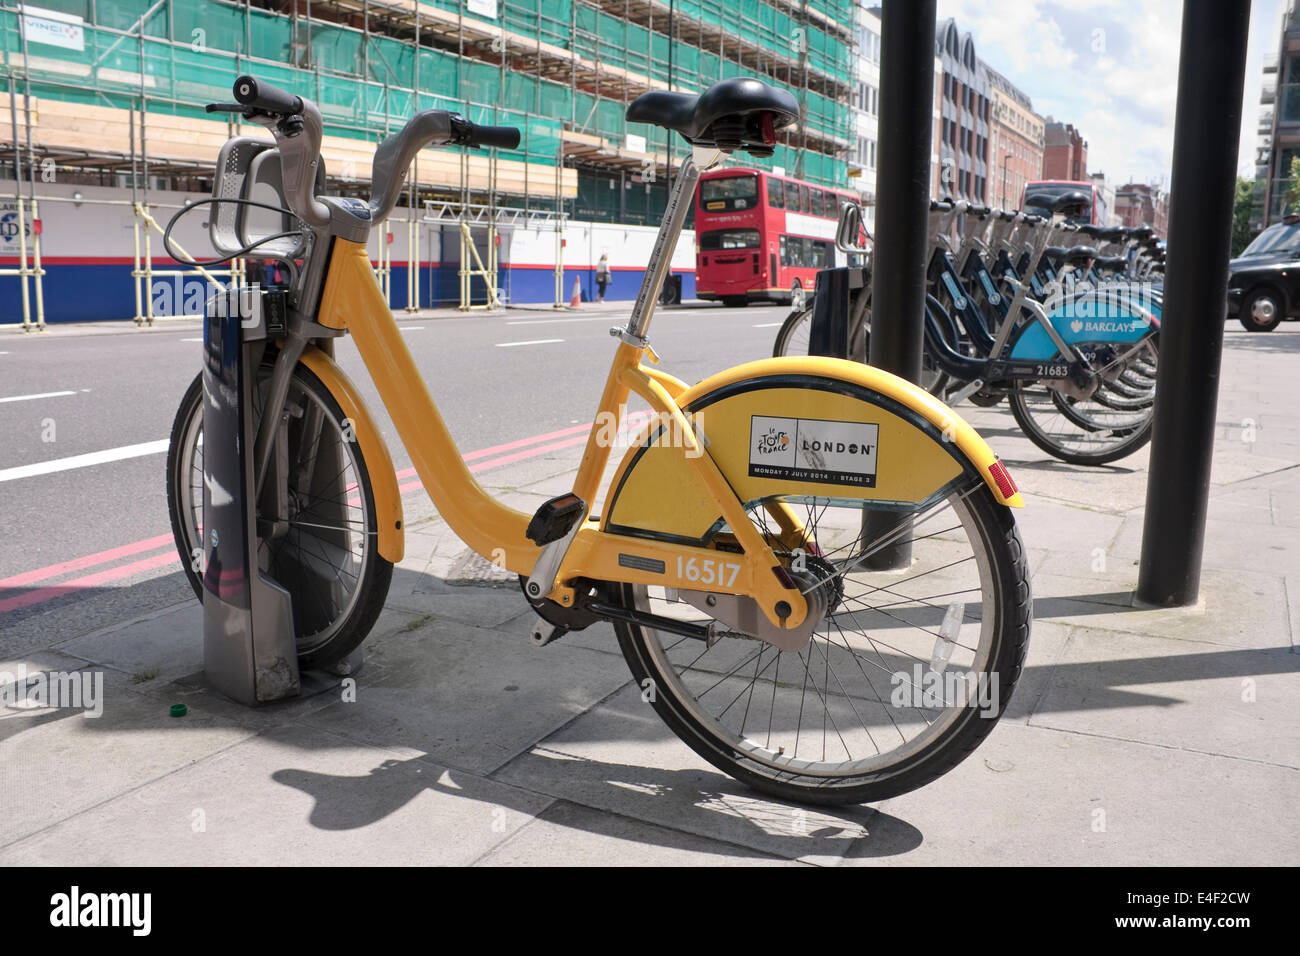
(562, 70)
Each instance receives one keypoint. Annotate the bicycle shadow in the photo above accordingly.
(750, 821)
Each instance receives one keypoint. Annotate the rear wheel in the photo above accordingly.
(903, 678)
(1262, 311)
(323, 549)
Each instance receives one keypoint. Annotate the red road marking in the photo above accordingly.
(40, 595)
(578, 435)
(89, 561)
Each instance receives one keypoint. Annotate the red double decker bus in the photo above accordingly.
(760, 237)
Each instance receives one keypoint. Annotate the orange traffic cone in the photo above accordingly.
(577, 294)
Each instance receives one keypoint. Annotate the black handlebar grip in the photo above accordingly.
(265, 98)
(502, 137)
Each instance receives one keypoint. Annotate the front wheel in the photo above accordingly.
(1084, 432)
(906, 674)
(1262, 311)
(795, 334)
(317, 530)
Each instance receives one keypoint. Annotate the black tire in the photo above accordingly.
(322, 640)
(792, 337)
(1268, 303)
(1081, 440)
(1003, 622)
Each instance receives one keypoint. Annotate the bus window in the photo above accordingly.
(717, 239)
(818, 254)
(804, 201)
(790, 246)
(729, 192)
(791, 196)
(775, 193)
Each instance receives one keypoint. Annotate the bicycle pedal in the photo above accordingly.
(544, 632)
(555, 518)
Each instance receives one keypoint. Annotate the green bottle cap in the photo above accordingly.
(179, 710)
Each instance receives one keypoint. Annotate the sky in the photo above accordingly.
(1110, 67)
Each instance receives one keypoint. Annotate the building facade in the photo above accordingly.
(1017, 142)
(1065, 152)
(866, 112)
(1140, 204)
(964, 112)
(1278, 144)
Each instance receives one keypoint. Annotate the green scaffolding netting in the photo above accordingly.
(189, 51)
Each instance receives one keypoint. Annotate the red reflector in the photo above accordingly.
(783, 576)
(768, 128)
(1002, 479)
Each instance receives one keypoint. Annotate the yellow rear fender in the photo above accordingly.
(379, 463)
(816, 427)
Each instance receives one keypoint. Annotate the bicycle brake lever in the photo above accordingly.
(224, 108)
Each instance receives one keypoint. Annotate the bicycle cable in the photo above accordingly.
(244, 250)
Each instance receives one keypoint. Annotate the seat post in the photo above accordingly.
(679, 201)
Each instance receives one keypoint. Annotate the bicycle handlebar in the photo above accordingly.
(296, 124)
(501, 137)
(262, 97)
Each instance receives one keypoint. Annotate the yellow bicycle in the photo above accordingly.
(811, 565)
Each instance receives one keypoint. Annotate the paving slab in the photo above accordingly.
(1031, 795)
(1239, 608)
(468, 697)
(567, 834)
(1228, 701)
(58, 763)
(621, 758)
(302, 796)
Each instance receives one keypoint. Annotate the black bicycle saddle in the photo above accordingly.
(740, 113)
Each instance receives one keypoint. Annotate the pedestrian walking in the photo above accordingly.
(602, 276)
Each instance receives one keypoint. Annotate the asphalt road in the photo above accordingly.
(496, 379)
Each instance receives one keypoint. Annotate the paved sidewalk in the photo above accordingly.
(1135, 736)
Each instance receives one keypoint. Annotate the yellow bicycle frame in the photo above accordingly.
(352, 300)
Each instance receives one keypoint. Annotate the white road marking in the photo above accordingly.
(4, 353)
(585, 318)
(28, 398)
(768, 325)
(85, 461)
(510, 345)
(411, 328)
(191, 340)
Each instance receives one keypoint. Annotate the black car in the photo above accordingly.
(1264, 281)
